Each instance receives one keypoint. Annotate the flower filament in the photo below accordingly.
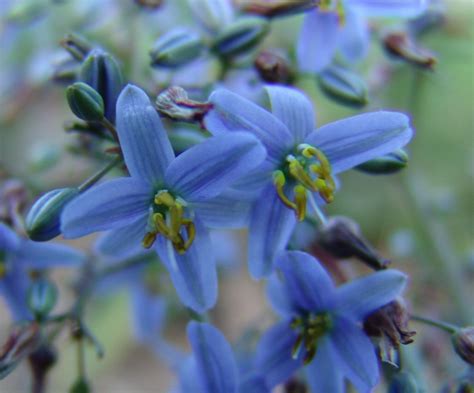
(310, 329)
(311, 171)
(167, 219)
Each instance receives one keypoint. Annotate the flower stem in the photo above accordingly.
(447, 327)
(319, 213)
(99, 175)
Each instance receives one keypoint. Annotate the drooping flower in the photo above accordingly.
(321, 325)
(301, 160)
(212, 368)
(19, 257)
(338, 26)
(167, 202)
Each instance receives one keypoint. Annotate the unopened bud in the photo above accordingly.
(43, 219)
(175, 104)
(403, 382)
(102, 72)
(240, 36)
(85, 102)
(76, 45)
(151, 4)
(344, 86)
(42, 360)
(342, 237)
(272, 67)
(81, 385)
(65, 72)
(176, 48)
(463, 342)
(403, 47)
(41, 298)
(272, 8)
(23, 341)
(385, 165)
(182, 140)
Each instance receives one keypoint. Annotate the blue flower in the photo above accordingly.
(167, 202)
(212, 367)
(335, 27)
(321, 325)
(20, 256)
(301, 160)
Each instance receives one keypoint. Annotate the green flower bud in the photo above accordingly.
(80, 386)
(100, 71)
(43, 219)
(176, 48)
(463, 342)
(182, 140)
(385, 165)
(240, 36)
(85, 102)
(42, 296)
(343, 86)
(403, 382)
(77, 46)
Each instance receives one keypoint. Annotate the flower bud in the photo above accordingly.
(343, 86)
(182, 140)
(176, 48)
(402, 47)
(240, 36)
(272, 9)
(151, 4)
(100, 71)
(81, 385)
(272, 67)
(212, 14)
(342, 237)
(43, 219)
(42, 360)
(85, 102)
(463, 342)
(403, 382)
(385, 165)
(41, 298)
(76, 45)
(175, 104)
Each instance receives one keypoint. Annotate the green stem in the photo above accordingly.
(447, 327)
(113, 131)
(99, 175)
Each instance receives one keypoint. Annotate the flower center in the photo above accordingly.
(311, 171)
(310, 329)
(167, 219)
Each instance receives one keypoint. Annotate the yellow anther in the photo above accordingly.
(299, 173)
(191, 232)
(279, 181)
(148, 239)
(300, 199)
(176, 217)
(164, 198)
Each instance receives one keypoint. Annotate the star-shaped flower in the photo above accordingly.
(167, 201)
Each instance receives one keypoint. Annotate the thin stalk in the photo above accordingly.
(99, 175)
(445, 326)
(111, 128)
(319, 213)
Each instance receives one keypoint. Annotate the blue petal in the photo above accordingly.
(323, 374)
(356, 354)
(194, 272)
(148, 314)
(207, 169)
(277, 294)
(188, 376)
(9, 240)
(273, 358)
(253, 384)
(271, 224)
(123, 242)
(115, 203)
(389, 8)
(215, 361)
(293, 109)
(309, 287)
(354, 140)
(354, 39)
(36, 255)
(144, 142)
(230, 209)
(318, 40)
(13, 287)
(362, 296)
(232, 112)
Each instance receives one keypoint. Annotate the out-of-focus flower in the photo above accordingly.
(320, 326)
(167, 201)
(301, 161)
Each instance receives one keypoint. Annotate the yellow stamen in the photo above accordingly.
(300, 199)
(164, 198)
(148, 239)
(279, 181)
(299, 173)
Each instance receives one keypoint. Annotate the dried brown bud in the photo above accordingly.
(273, 8)
(13, 198)
(463, 342)
(342, 238)
(272, 67)
(151, 4)
(295, 386)
(403, 47)
(175, 104)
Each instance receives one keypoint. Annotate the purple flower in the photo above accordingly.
(18, 257)
(321, 325)
(301, 160)
(166, 202)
